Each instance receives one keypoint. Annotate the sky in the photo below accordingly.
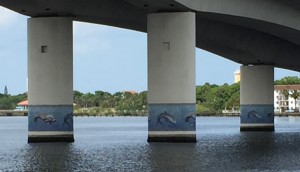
(105, 58)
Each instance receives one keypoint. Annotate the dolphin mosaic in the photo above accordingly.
(254, 114)
(190, 118)
(270, 114)
(45, 117)
(167, 117)
(68, 119)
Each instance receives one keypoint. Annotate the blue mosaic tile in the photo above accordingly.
(172, 117)
(50, 118)
(257, 113)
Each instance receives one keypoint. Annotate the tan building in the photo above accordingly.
(237, 76)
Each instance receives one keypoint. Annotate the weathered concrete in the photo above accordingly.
(171, 58)
(171, 77)
(50, 74)
(256, 98)
(50, 79)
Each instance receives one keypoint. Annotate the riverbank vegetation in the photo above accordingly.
(289, 80)
(210, 98)
(103, 103)
(215, 98)
(10, 101)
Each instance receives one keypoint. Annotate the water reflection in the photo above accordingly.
(173, 157)
(120, 145)
(46, 157)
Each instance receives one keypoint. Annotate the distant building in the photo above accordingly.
(237, 76)
(131, 92)
(126, 93)
(283, 103)
(23, 105)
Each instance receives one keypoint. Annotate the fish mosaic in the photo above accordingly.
(165, 116)
(45, 117)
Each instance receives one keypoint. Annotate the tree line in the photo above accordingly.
(209, 98)
(289, 80)
(8, 101)
(214, 98)
(119, 101)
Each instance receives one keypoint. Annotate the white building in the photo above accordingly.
(283, 103)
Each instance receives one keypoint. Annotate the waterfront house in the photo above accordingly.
(23, 105)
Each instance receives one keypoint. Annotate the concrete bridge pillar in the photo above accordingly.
(50, 79)
(257, 98)
(171, 77)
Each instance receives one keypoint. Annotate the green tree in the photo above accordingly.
(78, 98)
(216, 98)
(295, 95)
(141, 101)
(103, 99)
(286, 93)
(127, 101)
(117, 97)
(202, 91)
(289, 80)
(10, 102)
(221, 97)
(88, 99)
(234, 101)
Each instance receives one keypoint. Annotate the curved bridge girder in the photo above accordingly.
(245, 31)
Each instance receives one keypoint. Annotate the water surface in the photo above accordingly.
(119, 144)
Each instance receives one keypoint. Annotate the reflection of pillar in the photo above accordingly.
(171, 77)
(257, 98)
(50, 79)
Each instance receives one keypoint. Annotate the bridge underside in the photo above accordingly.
(259, 39)
(240, 36)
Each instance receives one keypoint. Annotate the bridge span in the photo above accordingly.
(258, 34)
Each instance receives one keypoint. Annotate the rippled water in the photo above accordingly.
(119, 144)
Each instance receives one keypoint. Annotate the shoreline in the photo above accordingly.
(207, 114)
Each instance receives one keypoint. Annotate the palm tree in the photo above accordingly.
(295, 95)
(286, 94)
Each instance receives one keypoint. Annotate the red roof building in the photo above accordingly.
(23, 103)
